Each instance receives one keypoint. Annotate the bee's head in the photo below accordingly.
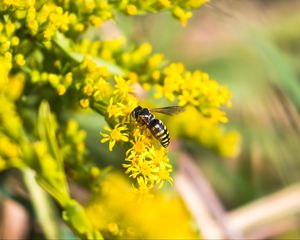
(136, 111)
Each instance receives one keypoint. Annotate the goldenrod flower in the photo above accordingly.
(20, 60)
(188, 97)
(165, 3)
(131, 9)
(123, 87)
(144, 187)
(182, 15)
(164, 175)
(138, 144)
(84, 103)
(114, 135)
(114, 110)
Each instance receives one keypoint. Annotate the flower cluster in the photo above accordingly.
(205, 131)
(91, 82)
(11, 88)
(180, 9)
(138, 220)
(146, 162)
(194, 89)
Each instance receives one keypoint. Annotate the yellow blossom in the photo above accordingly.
(96, 21)
(84, 103)
(19, 59)
(15, 41)
(155, 75)
(133, 77)
(143, 190)
(165, 3)
(102, 89)
(114, 110)
(155, 60)
(15, 86)
(182, 15)
(94, 172)
(88, 90)
(113, 228)
(61, 89)
(188, 97)
(68, 78)
(114, 135)
(196, 3)
(164, 175)
(138, 145)
(122, 87)
(131, 9)
(127, 107)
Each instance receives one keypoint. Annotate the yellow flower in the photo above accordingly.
(15, 86)
(113, 228)
(165, 3)
(138, 144)
(7, 148)
(143, 189)
(94, 172)
(127, 107)
(102, 89)
(196, 3)
(164, 211)
(114, 110)
(88, 90)
(147, 161)
(155, 75)
(229, 144)
(19, 59)
(4, 69)
(114, 135)
(164, 175)
(155, 60)
(131, 9)
(96, 21)
(145, 168)
(188, 97)
(182, 15)
(165, 90)
(84, 103)
(123, 87)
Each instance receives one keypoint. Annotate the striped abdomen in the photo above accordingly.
(159, 131)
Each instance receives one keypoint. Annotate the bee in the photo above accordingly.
(157, 127)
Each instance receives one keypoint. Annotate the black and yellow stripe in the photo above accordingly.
(159, 131)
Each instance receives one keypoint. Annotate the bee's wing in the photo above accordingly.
(172, 110)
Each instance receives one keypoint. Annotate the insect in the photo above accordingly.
(156, 126)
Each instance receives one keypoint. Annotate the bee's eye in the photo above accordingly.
(136, 111)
